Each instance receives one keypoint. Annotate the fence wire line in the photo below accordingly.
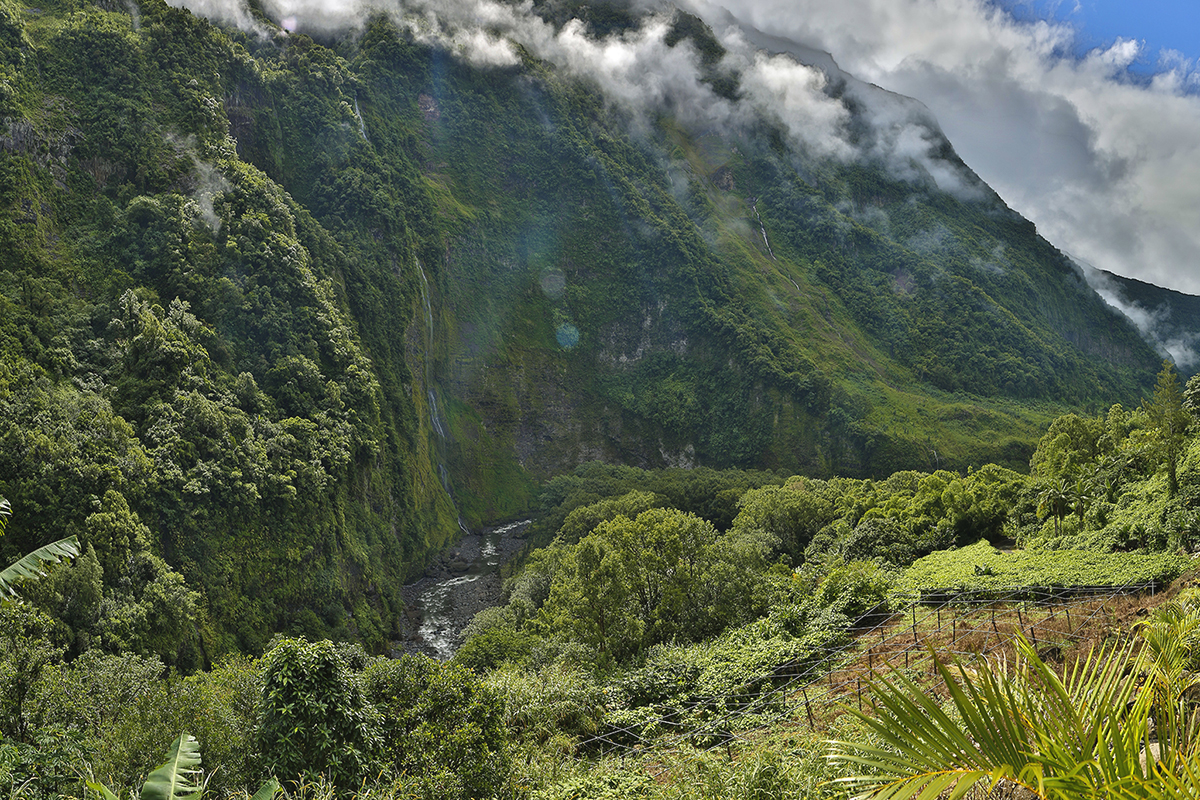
(832, 695)
(821, 671)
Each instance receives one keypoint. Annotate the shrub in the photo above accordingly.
(956, 569)
(314, 718)
(556, 700)
(493, 646)
(853, 589)
(440, 725)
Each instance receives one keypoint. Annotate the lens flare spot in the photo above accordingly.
(554, 283)
(568, 336)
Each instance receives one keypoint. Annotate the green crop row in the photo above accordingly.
(981, 566)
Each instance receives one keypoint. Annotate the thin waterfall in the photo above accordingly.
(434, 418)
(362, 127)
(763, 228)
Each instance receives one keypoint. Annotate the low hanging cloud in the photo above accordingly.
(1107, 167)
(1172, 337)
(639, 72)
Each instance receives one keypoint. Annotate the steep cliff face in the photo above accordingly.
(288, 314)
(639, 287)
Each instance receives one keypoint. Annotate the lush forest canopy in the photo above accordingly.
(278, 307)
(665, 601)
(279, 316)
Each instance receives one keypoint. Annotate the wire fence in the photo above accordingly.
(908, 631)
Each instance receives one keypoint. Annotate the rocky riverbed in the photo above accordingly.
(458, 584)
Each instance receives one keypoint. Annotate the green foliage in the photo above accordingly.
(957, 569)
(149, 608)
(125, 710)
(555, 702)
(583, 520)
(709, 494)
(601, 787)
(35, 565)
(440, 726)
(180, 777)
(1170, 421)
(31, 645)
(853, 590)
(488, 647)
(314, 718)
(665, 575)
(706, 690)
(46, 767)
(267, 289)
(793, 513)
(1084, 733)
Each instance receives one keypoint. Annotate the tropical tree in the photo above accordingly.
(1086, 734)
(1055, 498)
(1170, 420)
(315, 720)
(1168, 662)
(34, 565)
(1081, 495)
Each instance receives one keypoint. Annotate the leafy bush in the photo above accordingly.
(853, 589)
(708, 689)
(125, 710)
(665, 575)
(602, 786)
(31, 644)
(45, 768)
(494, 645)
(440, 726)
(557, 701)
(314, 717)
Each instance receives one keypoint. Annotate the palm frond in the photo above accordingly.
(1057, 737)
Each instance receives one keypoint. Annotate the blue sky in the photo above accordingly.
(1160, 24)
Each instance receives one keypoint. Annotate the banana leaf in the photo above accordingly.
(36, 564)
(179, 778)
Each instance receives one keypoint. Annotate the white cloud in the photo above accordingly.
(1107, 167)
(1157, 325)
(635, 69)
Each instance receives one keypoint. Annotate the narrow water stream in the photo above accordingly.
(459, 583)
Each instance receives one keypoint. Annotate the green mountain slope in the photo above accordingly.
(278, 317)
(1168, 319)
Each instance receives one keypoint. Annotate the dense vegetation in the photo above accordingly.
(640, 623)
(279, 316)
(273, 307)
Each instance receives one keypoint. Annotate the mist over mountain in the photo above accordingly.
(1095, 142)
(300, 302)
(1169, 320)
